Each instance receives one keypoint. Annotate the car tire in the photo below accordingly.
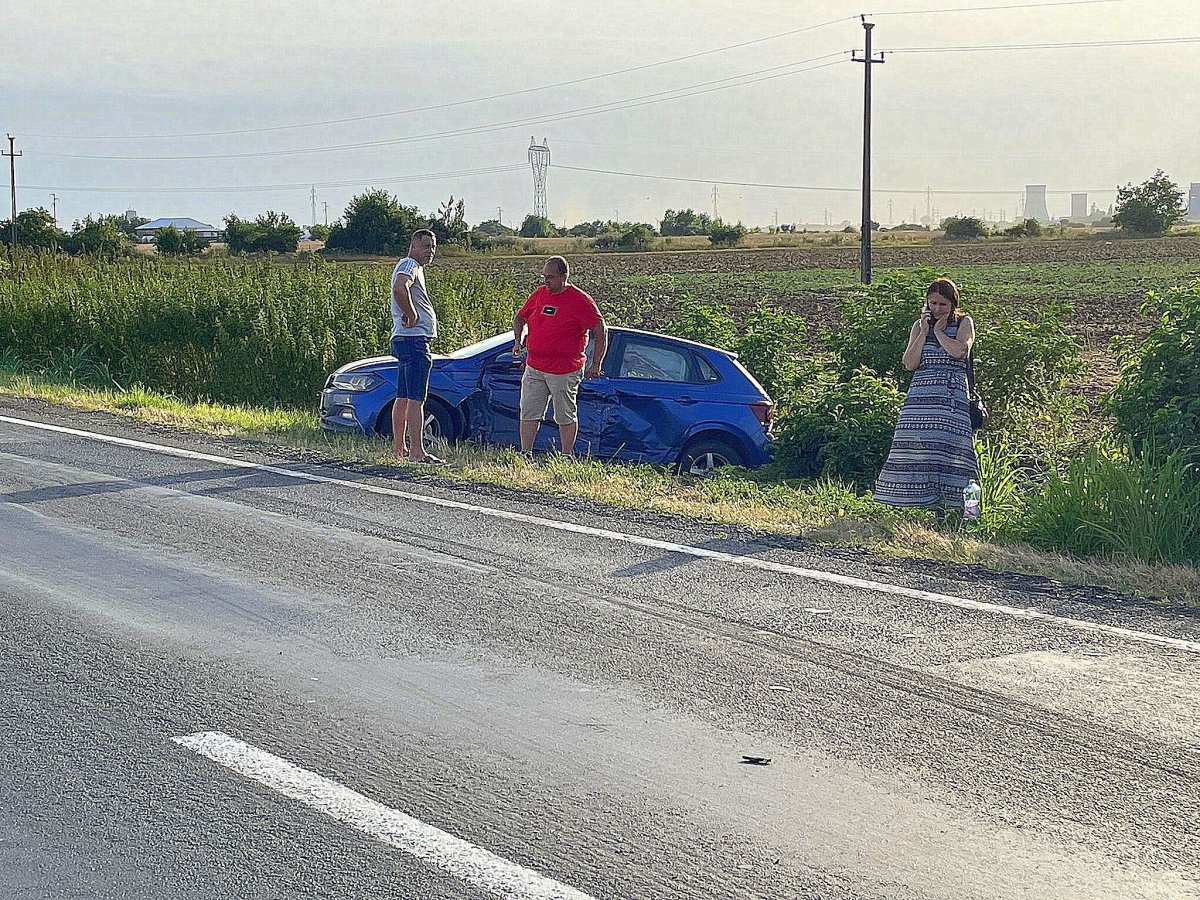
(440, 423)
(703, 456)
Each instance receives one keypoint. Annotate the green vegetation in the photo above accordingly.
(264, 333)
(271, 232)
(170, 241)
(1157, 399)
(1151, 207)
(228, 330)
(964, 228)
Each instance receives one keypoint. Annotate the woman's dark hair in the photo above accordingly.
(948, 289)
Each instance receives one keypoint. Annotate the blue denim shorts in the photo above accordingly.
(415, 361)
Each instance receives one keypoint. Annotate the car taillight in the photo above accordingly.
(764, 411)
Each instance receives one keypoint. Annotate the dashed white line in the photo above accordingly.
(750, 562)
(452, 855)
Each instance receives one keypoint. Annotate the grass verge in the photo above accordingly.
(823, 511)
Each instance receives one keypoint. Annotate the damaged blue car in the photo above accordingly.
(659, 399)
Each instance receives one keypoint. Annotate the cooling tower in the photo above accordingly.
(1079, 208)
(1035, 202)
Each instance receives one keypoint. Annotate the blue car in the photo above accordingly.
(659, 399)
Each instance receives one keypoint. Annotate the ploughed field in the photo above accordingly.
(1104, 280)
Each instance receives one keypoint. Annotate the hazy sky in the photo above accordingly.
(79, 75)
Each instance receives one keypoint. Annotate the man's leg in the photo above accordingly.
(529, 430)
(399, 417)
(566, 436)
(414, 420)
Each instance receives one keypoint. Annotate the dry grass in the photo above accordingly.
(821, 512)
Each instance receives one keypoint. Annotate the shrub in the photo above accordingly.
(103, 237)
(375, 222)
(271, 232)
(538, 226)
(723, 235)
(35, 230)
(170, 241)
(1019, 361)
(1151, 207)
(1157, 397)
(839, 429)
(1028, 228)
(1122, 503)
(964, 228)
(637, 238)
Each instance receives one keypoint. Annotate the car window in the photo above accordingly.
(492, 343)
(646, 360)
(707, 373)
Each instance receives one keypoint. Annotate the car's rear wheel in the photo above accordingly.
(703, 456)
(440, 424)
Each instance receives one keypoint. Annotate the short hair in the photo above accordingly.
(561, 264)
(422, 234)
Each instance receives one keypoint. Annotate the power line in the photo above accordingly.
(429, 176)
(705, 87)
(454, 103)
(1056, 45)
(954, 9)
(809, 187)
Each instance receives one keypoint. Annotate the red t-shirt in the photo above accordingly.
(558, 329)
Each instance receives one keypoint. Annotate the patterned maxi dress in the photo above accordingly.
(933, 450)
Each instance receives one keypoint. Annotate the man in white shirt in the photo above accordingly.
(414, 326)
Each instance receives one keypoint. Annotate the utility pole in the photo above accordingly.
(312, 195)
(12, 155)
(868, 60)
(54, 207)
(500, 215)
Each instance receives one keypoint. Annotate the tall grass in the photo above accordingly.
(236, 331)
(1118, 503)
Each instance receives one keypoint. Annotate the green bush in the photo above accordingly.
(375, 222)
(170, 241)
(1020, 360)
(1157, 398)
(964, 228)
(1028, 228)
(723, 235)
(271, 232)
(839, 428)
(1149, 208)
(1119, 503)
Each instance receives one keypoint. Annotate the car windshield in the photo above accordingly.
(492, 343)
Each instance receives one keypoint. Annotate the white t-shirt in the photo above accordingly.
(426, 318)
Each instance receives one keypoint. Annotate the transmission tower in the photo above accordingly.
(539, 161)
(716, 193)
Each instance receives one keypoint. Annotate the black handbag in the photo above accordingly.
(975, 405)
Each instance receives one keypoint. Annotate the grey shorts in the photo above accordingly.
(539, 388)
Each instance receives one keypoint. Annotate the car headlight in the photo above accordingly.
(355, 381)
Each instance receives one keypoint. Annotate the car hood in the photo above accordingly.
(377, 362)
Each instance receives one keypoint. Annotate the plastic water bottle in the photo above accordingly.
(972, 499)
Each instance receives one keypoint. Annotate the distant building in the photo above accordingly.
(1035, 202)
(146, 233)
(1079, 207)
(1193, 212)
(130, 215)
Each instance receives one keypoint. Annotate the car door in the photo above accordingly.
(498, 413)
(657, 385)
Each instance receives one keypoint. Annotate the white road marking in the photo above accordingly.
(451, 854)
(750, 562)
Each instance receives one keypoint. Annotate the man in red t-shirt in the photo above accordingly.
(556, 320)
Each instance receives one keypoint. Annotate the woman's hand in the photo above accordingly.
(940, 327)
(922, 324)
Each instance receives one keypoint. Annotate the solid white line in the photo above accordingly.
(750, 562)
(452, 855)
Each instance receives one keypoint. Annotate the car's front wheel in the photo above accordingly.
(703, 456)
(439, 422)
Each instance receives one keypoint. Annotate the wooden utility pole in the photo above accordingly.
(12, 155)
(868, 60)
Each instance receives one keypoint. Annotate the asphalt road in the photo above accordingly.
(577, 703)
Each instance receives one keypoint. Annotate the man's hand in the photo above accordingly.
(593, 371)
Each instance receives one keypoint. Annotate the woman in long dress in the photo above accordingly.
(933, 449)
